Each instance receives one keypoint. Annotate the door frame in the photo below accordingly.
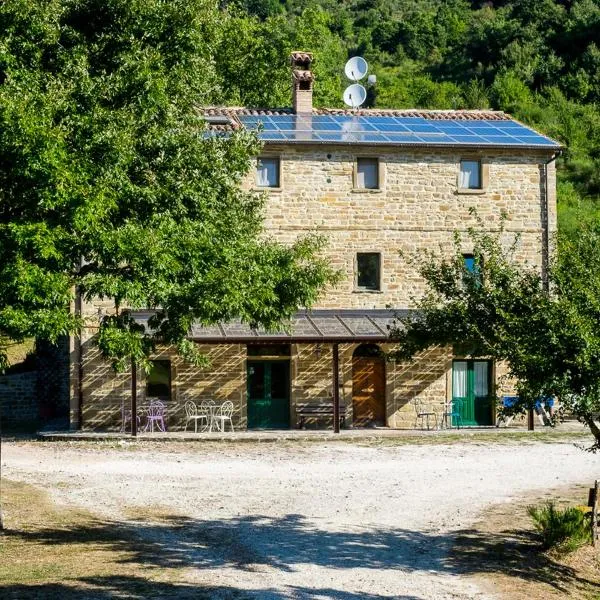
(250, 360)
(471, 399)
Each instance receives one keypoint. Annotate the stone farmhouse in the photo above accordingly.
(375, 183)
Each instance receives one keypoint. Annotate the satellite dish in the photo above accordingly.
(355, 95)
(356, 68)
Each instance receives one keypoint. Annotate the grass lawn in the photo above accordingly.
(53, 552)
(506, 550)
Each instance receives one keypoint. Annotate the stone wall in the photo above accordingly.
(107, 393)
(418, 208)
(18, 398)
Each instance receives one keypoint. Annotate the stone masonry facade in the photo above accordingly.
(417, 209)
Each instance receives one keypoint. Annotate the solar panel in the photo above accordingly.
(382, 129)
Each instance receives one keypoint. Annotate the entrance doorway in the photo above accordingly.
(368, 386)
(268, 394)
(471, 384)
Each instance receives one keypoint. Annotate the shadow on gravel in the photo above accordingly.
(254, 543)
(137, 588)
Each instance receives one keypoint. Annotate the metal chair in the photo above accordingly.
(155, 414)
(455, 412)
(423, 414)
(223, 415)
(193, 414)
(126, 419)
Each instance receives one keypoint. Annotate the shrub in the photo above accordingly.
(562, 530)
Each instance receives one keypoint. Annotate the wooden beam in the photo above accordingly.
(336, 388)
(133, 398)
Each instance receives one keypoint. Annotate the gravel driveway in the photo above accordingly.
(308, 520)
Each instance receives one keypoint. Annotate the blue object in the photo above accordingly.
(510, 401)
(391, 130)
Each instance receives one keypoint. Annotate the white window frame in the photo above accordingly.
(277, 160)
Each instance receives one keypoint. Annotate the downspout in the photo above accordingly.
(546, 224)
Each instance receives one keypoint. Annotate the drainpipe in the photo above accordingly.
(545, 224)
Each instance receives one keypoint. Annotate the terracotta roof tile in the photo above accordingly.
(440, 115)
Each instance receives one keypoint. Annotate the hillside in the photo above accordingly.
(539, 61)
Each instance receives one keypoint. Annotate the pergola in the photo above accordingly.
(335, 327)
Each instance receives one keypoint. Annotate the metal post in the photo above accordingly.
(336, 389)
(133, 398)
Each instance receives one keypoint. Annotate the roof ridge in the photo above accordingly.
(459, 114)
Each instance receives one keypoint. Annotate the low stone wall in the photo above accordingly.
(18, 397)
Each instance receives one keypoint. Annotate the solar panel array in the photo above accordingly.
(393, 130)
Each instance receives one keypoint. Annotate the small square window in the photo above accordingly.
(367, 173)
(267, 172)
(368, 271)
(470, 175)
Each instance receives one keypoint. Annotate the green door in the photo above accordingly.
(471, 383)
(268, 394)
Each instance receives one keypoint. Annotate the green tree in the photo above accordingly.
(110, 183)
(501, 310)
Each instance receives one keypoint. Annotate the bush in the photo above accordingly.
(562, 530)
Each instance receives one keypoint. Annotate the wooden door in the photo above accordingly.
(368, 391)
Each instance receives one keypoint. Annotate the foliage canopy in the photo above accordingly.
(502, 310)
(108, 181)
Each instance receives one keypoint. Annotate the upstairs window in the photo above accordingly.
(268, 172)
(470, 175)
(472, 267)
(368, 271)
(367, 173)
(469, 262)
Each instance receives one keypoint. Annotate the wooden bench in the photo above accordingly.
(318, 410)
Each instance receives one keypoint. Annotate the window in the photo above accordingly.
(469, 261)
(267, 172)
(472, 266)
(368, 271)
(158, 381)
(470, 175)
(367, 173)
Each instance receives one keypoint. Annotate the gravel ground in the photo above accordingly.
(308, 520)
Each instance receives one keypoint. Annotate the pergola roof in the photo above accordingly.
(317, 326)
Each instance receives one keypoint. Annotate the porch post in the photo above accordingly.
(133, 398)
(336, 389)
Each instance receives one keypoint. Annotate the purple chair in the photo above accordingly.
(155, 414)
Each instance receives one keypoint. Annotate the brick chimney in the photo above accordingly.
(302, 82)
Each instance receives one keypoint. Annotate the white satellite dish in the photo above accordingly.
(356, 68)
(355, 95)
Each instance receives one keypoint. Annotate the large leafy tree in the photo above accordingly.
(109, 182)
(502, 310)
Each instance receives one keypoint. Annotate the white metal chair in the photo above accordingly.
(193, 414)
(423, 414)
(223, 415)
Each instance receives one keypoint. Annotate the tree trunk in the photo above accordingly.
(589, 421)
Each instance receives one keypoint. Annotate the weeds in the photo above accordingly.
(561, 530)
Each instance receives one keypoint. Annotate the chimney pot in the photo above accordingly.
(302, 82)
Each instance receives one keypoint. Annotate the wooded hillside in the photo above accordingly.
(538, 60)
